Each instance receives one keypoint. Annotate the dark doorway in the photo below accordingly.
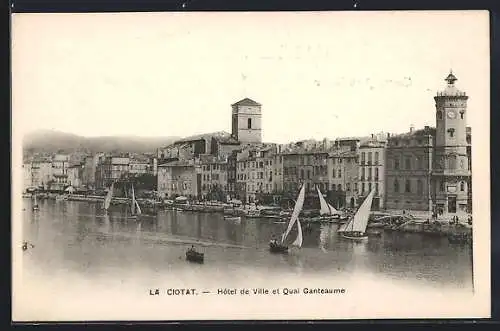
(452, 204)
(376, 204)
(352, 202)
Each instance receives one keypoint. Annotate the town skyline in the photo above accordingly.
(168, 79)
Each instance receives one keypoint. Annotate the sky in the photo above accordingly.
(316, 74)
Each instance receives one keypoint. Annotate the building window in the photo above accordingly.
(376, 158)
(451, 131)
(348, 186)
(302, 174)
(408, 163)
(369, 158)
(369, 173)
(308, 174)
(340, 173)
(369, 187)
(333, 187)
(362, 188)
(420, 187)
(362, 173)
(439, 115)
(249, 123)
(363, 158)
(407, 186)
(376, 188)
(333, 173)
(452, 162)
(396, 164)
(376, 173)
(462, 115)
(462, 186)
(356, 187)
(396, 185)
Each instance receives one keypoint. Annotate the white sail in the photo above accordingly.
(138, 208)
(326, 208)
(109, 196)
(298, 240)
(360, 219)
(296, 211)
(132, 206)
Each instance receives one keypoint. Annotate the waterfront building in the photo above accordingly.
(139, 165)
(111, 168)
(305, 166)
(38, 173)
(179, 178)
(342, 169)
(75, 174)
(246, 121)
(26, 176)
(255, 167)
(372, 170)
(214, 181)
(408, 168)
(451, 174)
(59, 180)
(231, 174)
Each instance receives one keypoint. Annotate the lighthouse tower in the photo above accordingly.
(451, 171)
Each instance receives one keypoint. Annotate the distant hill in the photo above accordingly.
(49, 141)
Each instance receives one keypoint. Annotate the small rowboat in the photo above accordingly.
(193, 256)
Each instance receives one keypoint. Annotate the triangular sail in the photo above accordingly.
(326, 208)
(109, 196)
(296, 211)
(298, 240)
(360, 219)
(138, 208)
(132, 206)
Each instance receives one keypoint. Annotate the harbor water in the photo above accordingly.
(79, 250)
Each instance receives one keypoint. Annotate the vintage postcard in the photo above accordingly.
(250, 165)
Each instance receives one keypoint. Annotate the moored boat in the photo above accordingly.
(355, 228)
(232, 218)
(193, 256)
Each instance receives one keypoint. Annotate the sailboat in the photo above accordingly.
(355, 228)
(327, 211)
(35, 203)
(134, 207)
(280, 246)
(109, 196)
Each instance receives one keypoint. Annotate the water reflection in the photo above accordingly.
(80, 237)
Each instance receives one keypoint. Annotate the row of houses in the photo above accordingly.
(399, 168)
(84, 172)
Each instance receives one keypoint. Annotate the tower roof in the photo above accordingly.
(246, 102)
(451, 89)
(451, 78)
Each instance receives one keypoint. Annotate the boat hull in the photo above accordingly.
(278, 249)
(233, 219)
(195, 257)
(355, 236)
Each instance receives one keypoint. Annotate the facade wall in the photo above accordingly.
(177, 180)
(372, 171)
(408, 171)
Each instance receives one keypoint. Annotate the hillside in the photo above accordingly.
(47, 141)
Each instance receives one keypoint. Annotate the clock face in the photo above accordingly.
(451, 114)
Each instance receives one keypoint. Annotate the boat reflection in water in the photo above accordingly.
(80, 238)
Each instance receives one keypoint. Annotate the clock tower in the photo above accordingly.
(451, 173)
